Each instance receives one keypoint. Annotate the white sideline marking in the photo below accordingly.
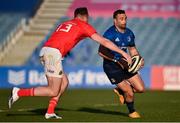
(22, 109)
(30, 109)
(4, 110)
(26, 109)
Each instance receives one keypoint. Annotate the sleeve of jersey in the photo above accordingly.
(108, 35)
(107, 53)
(89, 30)
(132, 42)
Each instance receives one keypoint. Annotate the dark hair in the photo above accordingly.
(81, 11)
(119, 11)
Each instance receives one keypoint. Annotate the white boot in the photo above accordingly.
(53, 115)
(14, 96)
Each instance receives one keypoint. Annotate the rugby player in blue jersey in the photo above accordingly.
(127, 83)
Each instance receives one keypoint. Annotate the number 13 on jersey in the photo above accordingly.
(64, 28)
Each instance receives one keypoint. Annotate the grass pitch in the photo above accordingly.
(94, 105)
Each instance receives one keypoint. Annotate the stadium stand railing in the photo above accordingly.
(11, 26)
(37, 28)
(13, 20)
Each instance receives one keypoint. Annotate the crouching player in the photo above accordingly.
(127, 83)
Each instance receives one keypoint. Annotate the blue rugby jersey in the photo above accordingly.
(122, 40)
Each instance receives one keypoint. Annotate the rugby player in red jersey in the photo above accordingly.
(62, 40)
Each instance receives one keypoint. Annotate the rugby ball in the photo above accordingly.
(136, 64)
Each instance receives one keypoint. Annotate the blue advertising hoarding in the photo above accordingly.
(79, 77)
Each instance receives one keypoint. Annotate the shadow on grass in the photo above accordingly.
(33, 112)
(100, 111)
(42, 111)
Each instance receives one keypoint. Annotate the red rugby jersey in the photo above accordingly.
(68, 34)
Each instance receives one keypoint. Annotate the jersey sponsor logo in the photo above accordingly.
(113, 80)
(60, 72)
(117, 39)
(123, 48)
(16, 77)
(50, 71)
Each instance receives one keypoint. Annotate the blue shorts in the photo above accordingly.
(115, 73)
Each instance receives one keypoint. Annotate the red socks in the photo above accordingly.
(30, 92)
(26, 92)
(52, 105)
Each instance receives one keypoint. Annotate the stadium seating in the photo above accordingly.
(42, 16)
(157, 40)
(8, 22)
(11, 14)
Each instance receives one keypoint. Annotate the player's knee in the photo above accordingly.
(130, 94)
(66, 83)
(65, 80)
(53, 92)
(141, 90)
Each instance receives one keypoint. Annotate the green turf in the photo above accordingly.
(94, 105)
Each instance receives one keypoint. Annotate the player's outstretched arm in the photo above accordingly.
(107, 43)
(105, 53)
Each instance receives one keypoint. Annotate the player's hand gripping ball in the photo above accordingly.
(137, 64)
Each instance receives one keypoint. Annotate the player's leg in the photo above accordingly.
(127, 91)
(51, 59)
(53, 69)
(53, 92)
(120, 95)
(129, 98)
(54, 100)
(117, 75)
(64, 86)
(137, 83)
(52, 89)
